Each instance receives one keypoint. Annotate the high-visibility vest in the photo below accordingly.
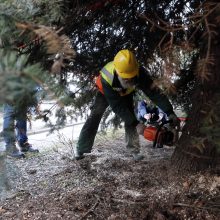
(107, 73)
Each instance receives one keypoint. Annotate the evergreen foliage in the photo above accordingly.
(28, 48)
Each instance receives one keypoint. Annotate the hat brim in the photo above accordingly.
(128, 75)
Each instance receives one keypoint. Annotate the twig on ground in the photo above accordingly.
(127, 201)
(91, 209)
(195, 207)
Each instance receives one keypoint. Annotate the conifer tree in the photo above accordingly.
(175, 40)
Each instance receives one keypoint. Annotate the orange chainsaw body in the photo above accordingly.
(150, 133)
(159, 137)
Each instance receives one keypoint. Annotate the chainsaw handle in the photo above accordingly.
(158, 130)
(166, 122)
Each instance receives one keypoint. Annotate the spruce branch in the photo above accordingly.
(197, 20)
(55, 44)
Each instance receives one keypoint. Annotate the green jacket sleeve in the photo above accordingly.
(145, 83)
(119, 105)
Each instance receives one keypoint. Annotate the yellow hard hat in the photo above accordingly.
(126, 64)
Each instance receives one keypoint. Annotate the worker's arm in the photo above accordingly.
(142, 109)
(118, 105)
(145, 83)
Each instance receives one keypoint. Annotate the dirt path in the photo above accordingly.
(108, 184)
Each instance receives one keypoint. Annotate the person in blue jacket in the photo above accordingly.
(147, 113)
(15, 129)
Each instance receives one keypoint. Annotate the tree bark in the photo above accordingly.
(198, 147)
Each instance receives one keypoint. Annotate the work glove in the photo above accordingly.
(147, 116)
(140, 128)
(160, 117)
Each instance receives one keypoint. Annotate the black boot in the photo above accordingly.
(26, 147)
(13, 152)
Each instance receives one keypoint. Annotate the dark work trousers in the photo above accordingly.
(90, 128)
(11, 115)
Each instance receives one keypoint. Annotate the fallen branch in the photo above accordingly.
(196, 207)
(128, 202)
(90, 210)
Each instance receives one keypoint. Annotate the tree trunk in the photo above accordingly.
(199, 146)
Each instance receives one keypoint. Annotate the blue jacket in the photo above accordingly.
(143, 109)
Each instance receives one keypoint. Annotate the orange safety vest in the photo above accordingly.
(99, 83)
(107, 72)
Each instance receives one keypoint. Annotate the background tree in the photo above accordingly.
(199, 145)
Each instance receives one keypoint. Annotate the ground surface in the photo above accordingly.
(108, 185)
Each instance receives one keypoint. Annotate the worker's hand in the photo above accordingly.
(160, 117)
(140, 128)
(147, 116)
(174, 121)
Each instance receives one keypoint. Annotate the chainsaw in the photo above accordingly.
(160, 134)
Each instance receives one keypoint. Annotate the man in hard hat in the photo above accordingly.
(116, 84)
